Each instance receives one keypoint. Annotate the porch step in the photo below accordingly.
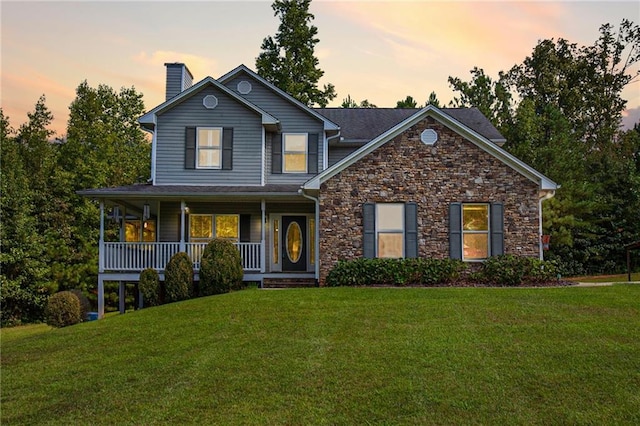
(288, 282)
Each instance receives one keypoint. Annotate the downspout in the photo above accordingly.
(317, 232)
(546, 196)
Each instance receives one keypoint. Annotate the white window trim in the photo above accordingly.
(208, 148)
(487, 232)
(285, 152)
(391, 230)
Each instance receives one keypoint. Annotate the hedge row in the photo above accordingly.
(506, 270)
(362, 272)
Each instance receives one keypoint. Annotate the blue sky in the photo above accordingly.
(380, 51)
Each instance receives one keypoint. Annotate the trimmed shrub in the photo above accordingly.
(220, 268)
(149, 285)
(62, 309)
(85, 305)
(362, 272)
(178, 278)
(510, 270)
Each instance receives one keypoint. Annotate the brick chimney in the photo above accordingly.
(179, 78)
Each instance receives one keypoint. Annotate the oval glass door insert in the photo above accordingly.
(294, 242)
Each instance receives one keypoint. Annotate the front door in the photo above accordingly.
(294, 241)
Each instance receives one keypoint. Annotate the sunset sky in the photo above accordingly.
(380, 51)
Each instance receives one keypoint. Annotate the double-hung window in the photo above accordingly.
(475, 231)
(209, 147)
(389, 230)
(294, 149)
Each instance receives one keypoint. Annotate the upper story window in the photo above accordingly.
(209, 147)
(389, 230)
(294, 152)
(475, 231)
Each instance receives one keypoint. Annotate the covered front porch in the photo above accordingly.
(143, 226)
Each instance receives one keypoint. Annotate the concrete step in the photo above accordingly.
(288, 282)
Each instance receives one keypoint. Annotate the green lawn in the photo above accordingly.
(608, 278)
(339, 356)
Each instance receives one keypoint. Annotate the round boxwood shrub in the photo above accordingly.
(85, 305)
(150, 287)
(220, 268)
(62, 309)
(178, 278)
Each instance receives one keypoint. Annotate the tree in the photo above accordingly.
(408, 102)
(288, 60)
(433, 100)
(348, 102)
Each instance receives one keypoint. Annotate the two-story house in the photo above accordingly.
(297, 189)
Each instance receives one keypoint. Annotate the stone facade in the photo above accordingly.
(406, 170)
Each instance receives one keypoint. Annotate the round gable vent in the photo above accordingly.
(244, 87)
(429, 137)
(210, 102)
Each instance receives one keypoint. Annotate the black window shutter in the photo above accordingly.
(276, 153)
(227, 148)
(312, 153)
(455, 231)
(497, 229)
(369, 225)
(245, 228)
(190, 148)
(410, 230)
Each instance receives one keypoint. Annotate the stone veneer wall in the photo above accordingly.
(404, 169)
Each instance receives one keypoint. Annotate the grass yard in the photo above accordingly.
(339, 356)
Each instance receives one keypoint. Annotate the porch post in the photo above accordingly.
(121, 300)
(183, 207)
(100, 296)
(263, 257)
(101, 240)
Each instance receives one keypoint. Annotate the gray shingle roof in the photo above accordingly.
(364, 124)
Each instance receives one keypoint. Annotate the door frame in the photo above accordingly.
(277, 267)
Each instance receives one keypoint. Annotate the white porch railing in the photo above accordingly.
(139, 256)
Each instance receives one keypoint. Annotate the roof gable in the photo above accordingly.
(453, 124)
(150, 117)
(328, 124)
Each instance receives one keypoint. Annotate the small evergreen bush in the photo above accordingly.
(63, 309)
(149, 285)
(178, 278)
(85, 305)
(362, 272)
(220, 268)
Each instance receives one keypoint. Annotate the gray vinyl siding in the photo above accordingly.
(292, 119)
(247, 141)
(337, 153)
(169, 224)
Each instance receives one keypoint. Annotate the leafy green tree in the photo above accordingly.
(23, 284)
(288, 60)
(433, 100)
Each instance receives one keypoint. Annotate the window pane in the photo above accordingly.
(294, 242)
(295, 143)
(209, 137)
(227, 226)
(200, 226)
(389, 217)
(209, 158)
(295, 163)
(276, 241)
(132, 231)
(149, 231)
(390, 245)
(475, 217)
(476, 246)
